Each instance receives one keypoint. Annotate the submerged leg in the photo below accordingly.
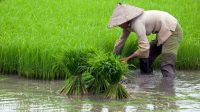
(146, 63)
(168, 62)
(169, 53)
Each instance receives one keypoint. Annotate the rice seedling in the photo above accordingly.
(108, 72)
(98, 85)
(116, 91)
(95, 73)
(76, 61)
(88, 79)
(74, 85)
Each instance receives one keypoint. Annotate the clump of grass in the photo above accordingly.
(116, 91)
(74, 86)
(108, 72)
(92, 72)
(98, 85)
(76, 61)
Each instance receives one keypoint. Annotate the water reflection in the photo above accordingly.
(130, 109)
(105, 109)
(157, 91)
(86, 107)
(149, 92)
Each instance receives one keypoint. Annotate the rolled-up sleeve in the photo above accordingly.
(121, 41)
(144, 46)
(143, 50)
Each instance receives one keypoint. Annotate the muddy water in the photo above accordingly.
(149, 93)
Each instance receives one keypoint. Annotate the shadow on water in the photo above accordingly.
(149, 93)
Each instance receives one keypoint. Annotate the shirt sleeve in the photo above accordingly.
(120, 42)
(143, 50)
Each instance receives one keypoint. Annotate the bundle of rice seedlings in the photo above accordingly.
(116, 91)
(98, 71)
(98, 85)
(74, 85)
(76, 61)
(108, 72)
(88, 78)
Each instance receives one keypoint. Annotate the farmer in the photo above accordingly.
(143, 23)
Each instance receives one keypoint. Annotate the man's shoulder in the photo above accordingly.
(157, 13)
(154, 12)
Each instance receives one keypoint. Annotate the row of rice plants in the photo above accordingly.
(34, 33)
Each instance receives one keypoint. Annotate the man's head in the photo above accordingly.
(122, 14)
(124, 25)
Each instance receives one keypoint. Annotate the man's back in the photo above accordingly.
(155, 21)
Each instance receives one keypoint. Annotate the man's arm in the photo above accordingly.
(143, 51)
(120, 42)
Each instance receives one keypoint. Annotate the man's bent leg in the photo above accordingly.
(168, 62)
(144, 66)
(169, 53)
(146, 63)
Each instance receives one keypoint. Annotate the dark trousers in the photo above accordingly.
(168, 53)
(146, 63)
(167, 61)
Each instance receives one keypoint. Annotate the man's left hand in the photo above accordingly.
(125, 59)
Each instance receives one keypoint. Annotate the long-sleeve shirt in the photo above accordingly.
(157, 22)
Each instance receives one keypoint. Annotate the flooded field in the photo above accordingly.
(149, 93)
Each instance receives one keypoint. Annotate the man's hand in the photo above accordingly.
(131, 57)
(125, 59)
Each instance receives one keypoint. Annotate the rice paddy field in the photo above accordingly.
(35, 33)
(69, 39)
(150, 94)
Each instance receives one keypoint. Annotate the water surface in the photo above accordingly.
(149, 93)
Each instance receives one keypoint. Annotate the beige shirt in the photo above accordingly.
(150, 22)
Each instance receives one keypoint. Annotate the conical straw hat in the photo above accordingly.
(124, 13)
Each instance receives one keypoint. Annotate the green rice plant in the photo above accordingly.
(76, 61)
(77, 85)
(9, 59)
(88, 79)
(116, 91)
(74, 85)
(107, 66)
(98, 85)
(108, 71)
(43, 65)
(31, 37)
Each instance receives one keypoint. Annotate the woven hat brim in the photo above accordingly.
(123, 13)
